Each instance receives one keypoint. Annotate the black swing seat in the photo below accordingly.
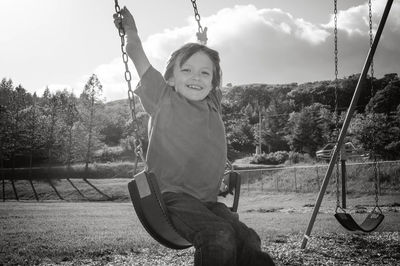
(152, 212)
(371, 222)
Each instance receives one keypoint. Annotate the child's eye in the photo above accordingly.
(205, 73)
(186, 70)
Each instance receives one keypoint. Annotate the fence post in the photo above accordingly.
(248, 184)
(295, 179)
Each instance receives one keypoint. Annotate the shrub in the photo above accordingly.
(273, 158)
(108, 154)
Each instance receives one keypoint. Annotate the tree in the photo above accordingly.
(307, 129)
(90, 102)
(36, 142)
(276, 117)
(387, 99)
(379, 134)
(6, 89)
(51, 107)
(70, 116)
(240, 136)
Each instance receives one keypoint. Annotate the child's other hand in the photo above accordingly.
(126, 20)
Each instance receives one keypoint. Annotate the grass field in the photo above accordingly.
(109, 233)
(90, 228)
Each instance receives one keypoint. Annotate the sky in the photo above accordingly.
(59, 44)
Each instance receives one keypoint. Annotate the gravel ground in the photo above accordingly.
(323, 249)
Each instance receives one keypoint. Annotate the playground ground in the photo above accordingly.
(54, 232)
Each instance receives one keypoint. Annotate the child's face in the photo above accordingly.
(194, 79)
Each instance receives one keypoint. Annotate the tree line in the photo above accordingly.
(303, 118)
(52, 129)
(64, 129)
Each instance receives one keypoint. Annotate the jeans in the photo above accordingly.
(216, 233)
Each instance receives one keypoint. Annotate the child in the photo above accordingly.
(187, 149)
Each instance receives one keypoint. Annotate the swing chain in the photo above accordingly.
(202, 33)
(376, 177)
(376, 170)
(371, 40)
(336, 103)
(137, 144)
(336, 70)
(336, 41)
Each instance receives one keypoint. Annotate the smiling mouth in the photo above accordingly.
(194, 87)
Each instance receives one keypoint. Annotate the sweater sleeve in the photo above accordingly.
(150, 89)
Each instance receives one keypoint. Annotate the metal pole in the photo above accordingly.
(343, 163)
(346, 123)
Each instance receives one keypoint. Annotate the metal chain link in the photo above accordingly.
(336, 70)
(336, 40)
(376, 174)
(336, 100)
(371, 40)
(202, 34)
(138, 147)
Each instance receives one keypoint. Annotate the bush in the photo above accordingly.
(113, 154)
(273, 158)
(294, 157)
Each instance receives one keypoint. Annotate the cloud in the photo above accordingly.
(112, 77)
(353, 38)
(272, 46)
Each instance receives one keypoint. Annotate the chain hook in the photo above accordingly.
(202, 33)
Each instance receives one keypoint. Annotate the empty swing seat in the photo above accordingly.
(152, 212)
(371, 222)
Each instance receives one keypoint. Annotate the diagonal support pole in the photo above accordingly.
(55, 190)
(34, 190)
(346, 123)
(98, 190)
(73, 185)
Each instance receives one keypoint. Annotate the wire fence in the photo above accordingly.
(360, 177)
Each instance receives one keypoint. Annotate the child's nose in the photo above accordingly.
(196, 76)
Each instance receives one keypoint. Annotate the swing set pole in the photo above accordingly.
(346, 123)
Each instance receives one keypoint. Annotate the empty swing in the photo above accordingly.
(143, 188)
(375, 217)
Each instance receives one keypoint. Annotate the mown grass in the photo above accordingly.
(56, 232)
(62, 231)
(94, 228)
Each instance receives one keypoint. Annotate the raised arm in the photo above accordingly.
(134, 46)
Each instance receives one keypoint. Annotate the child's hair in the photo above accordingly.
(186, 52)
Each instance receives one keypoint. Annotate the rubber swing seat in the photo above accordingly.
(152, 212)
(371, 222)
